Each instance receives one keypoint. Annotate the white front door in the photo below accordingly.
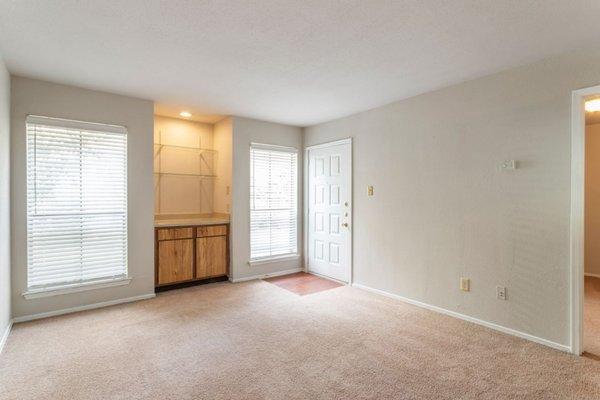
(329, 238)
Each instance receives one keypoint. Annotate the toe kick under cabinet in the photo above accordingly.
(191, 254)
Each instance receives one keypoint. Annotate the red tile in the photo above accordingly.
(302, 283)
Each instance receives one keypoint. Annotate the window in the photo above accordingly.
(76, 203)
(273, 201)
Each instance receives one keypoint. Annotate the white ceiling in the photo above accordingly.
(290, 61)
(174, 110)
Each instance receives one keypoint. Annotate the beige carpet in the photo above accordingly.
(255, 340)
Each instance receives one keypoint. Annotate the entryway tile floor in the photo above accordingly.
(302, 283)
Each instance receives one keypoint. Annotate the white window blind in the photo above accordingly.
(273, 201)
(76, 202)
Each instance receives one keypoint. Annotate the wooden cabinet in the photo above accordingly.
(175, 260)
(175, 233)
(189, 254)
(211, 256)
(214, 230)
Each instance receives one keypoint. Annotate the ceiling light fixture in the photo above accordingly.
(185, 114)
(592, 105)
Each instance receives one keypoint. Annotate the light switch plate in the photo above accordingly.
(465, 284)
(509, 164)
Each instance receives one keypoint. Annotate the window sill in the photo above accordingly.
(80, 287)
(270, 260)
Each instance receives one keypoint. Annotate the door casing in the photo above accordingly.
(306, 203)
(577, 220)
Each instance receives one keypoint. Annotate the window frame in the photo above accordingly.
(280, 257)
(37, 291)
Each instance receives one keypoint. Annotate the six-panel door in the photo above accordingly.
(330, 211)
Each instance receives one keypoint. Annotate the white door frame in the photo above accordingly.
(577, 214)
(306, 176)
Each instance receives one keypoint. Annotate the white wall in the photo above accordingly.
(443, 209)
(5, 306)
(223, 143)
(183, 194)
(246, 131)
(48, 99)
(592, 199)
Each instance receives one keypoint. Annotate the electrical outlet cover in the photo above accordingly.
(501, 292)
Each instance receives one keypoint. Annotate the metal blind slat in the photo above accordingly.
(273, 202)
(76, 202)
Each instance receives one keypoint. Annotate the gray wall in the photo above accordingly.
(246, 131)
(443, 209)
(5, 313)
(48, 99)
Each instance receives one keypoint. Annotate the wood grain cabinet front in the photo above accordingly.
(215, 230)
(211, 256)
(175, 233)
(175, 261)
(191, 254)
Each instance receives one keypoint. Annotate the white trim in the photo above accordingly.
(275, 259)
(467, 318)
(80, 287)
(4, 338)
(592, 275)
(32, 317)
(329, 144)
(327, 277)
(305, 219)
(577, 235)
(75, 124)
(269, 275)
(274, 147)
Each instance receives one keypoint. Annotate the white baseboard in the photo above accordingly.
(5, 336)
(262, 276)
(477, 321)
(326, 277)
(32, 317)
(592, 275)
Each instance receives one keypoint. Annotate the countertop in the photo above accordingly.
(173, 222)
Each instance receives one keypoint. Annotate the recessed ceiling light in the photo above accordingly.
(592, 105)
(185, 114)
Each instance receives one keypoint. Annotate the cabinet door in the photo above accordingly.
(214, 230)
(211, 256)
(175, 260)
